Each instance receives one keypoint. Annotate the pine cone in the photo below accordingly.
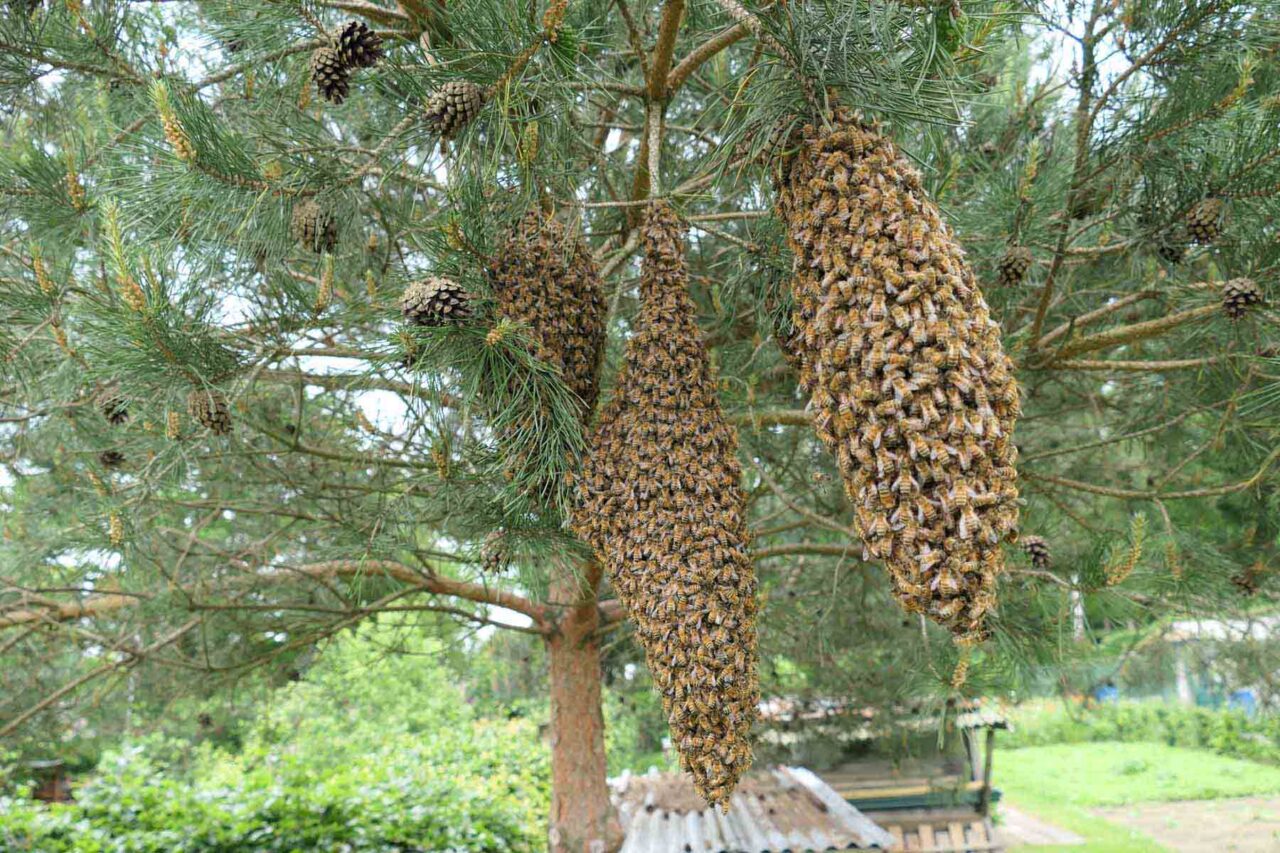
(111, 458)
(114, 408)
(494, 558)
(359, 46)
(435, 302)
(1204, 221)
(453, 106)
(905, 370)
(661, 504)
(209, 409)
(1038, 550)
(1015, 264)
(1170, 248)
(1239, 295)
(314, 227)
(1247, 580)
(331, 75)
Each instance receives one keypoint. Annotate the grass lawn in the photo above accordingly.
(1061, 783)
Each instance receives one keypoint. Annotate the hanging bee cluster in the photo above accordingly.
(660, 503)
(545, 279)
(907, 378)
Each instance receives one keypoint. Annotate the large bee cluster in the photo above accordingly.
(546, 279)
(907, 378)
(660, 502)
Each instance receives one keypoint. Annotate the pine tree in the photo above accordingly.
(340, 460)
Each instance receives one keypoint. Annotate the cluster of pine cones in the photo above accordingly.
(905, 369)
(661, 503)
(355, 47)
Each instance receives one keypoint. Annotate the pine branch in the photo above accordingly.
(102, 605)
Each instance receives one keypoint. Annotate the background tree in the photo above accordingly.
(156, 155)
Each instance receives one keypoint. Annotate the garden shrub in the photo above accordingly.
(1227, 732)
(372, 753)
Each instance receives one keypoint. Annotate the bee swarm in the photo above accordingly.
(661, 503)
(546, 279)
(907, 377)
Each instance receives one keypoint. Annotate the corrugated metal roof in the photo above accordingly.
(782, 810)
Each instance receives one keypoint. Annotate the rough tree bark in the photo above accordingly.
(582, 818)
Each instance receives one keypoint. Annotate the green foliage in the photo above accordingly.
(375, 750)
(1226, 732)
(1084, 132)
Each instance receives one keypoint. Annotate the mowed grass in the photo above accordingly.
(1115, 774)
(1060, 784)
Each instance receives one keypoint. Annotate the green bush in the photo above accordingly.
(1225, 732)
(372, 752)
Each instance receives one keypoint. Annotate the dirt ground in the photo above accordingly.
(1245, 825)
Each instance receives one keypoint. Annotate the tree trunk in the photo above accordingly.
(582, 818)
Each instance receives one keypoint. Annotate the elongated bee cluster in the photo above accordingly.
(661, 504)
(907, 378)
(546, 279)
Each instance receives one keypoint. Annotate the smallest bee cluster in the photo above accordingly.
(1239, 295)
(435, 301)
(661, 503)
(1014, 266)
(110, 459)
(355, 47)
(546, 279)
(208, 407)
(314, 226)
(1204, 221)
(1038, 550)
(452, 107)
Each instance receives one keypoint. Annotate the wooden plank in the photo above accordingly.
(958, 839)
(927, 840)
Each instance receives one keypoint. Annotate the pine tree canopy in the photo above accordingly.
(228, 430)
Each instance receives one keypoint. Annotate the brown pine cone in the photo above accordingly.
(1239, 295)
(435, 301)
(330, 74)
(453, 106)
(359, 46)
